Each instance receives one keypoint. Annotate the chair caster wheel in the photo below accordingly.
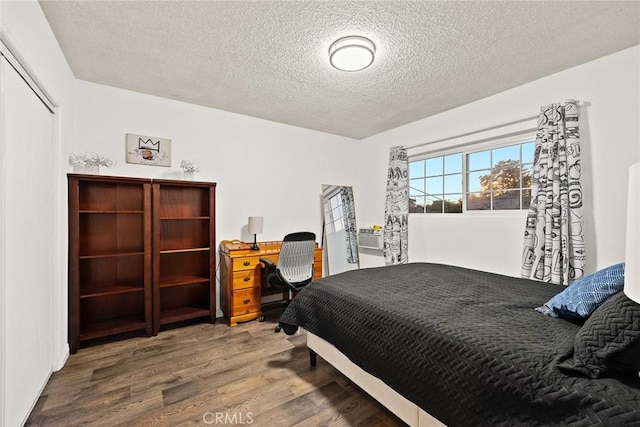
(261, 319)
(277, 329)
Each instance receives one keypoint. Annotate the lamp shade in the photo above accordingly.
(255, 225)
(632, 249)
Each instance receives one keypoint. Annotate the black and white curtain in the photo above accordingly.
(349, 217)
(396, 213)
(554, 247)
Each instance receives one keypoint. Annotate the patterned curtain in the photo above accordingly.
(554, 249)
(349, 217)
(396, 212)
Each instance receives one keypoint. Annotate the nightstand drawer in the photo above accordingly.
(246, 279)
(246, 263)
(246, 301)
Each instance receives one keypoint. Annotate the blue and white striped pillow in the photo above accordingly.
(583, 296)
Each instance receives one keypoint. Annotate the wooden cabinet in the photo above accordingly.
(140, 254)
(183, 251)
(241, 293)
(109, 257)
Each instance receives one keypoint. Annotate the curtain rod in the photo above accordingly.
(476, 141)
(473, 132)
(497, 126)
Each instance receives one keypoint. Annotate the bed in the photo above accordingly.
(439, 344)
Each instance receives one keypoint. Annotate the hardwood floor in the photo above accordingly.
(205, 374)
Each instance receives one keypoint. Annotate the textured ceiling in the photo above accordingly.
(268, 59)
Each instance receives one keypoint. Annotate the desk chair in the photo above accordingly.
(294, 269)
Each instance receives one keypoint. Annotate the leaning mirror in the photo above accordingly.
(340, 232)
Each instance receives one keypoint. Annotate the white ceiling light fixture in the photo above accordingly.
(352, 53)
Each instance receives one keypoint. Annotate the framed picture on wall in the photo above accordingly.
(148, 150)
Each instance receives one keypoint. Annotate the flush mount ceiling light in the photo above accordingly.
(352, 53)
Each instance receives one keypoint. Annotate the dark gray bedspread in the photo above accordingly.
(464, 345)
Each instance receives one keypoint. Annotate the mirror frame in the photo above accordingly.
(335, 252)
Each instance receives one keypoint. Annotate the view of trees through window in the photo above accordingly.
(494, 179)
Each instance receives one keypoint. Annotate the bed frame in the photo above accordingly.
(407, 411)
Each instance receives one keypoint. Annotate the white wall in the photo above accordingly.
(261, 168)
(23, 25)
(609, 89)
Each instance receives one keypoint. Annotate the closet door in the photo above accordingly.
(26, 254)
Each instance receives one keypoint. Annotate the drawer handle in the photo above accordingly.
(246, 279)
(247, 263)
(246, 301)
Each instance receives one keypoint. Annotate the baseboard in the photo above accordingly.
(60, 361)
(33, 404)
(58, 364)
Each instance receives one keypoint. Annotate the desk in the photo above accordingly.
(241, 289)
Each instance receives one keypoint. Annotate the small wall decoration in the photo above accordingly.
(89, 162)
(189, 169)
(148, 150)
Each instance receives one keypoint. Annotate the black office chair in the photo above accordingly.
(294, 269)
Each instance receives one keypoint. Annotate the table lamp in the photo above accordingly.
(255, 227)
(632, 249)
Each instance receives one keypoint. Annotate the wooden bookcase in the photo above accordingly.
(109, 257)
(140, 254)
(183, 251)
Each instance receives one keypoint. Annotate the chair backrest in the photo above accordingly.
(295, 261)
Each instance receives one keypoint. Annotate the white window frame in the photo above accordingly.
(483, 145)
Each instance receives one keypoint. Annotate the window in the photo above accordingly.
(333, 214)
(499, 179)
(435, 184)
(492, 179)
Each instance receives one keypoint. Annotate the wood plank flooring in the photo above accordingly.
(205, 374)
